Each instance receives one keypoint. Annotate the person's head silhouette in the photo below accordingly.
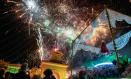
(2, 73)
(48, 72)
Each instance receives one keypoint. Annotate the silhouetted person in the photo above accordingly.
(36, 77)
(2, 73)
(8, 75)
(23, 72)
(82, 75)
(48, 74)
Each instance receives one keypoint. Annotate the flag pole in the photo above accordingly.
(112, 35)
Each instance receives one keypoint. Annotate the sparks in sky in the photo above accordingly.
(31, 12)
(61, 22)
(28, 9)
(31, 5)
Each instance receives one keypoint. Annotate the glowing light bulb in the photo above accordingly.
(56, 49)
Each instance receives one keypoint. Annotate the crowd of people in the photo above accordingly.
(23, 74)
(108, 71)
(115, 70)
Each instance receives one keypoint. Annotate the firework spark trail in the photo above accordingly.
(22, 15)
(10, 1)
(40, 43)
(30, 8)
(26, 7)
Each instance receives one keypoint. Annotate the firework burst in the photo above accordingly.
(56, 23)
(31, 10)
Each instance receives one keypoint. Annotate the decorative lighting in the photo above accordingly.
(105, 63)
